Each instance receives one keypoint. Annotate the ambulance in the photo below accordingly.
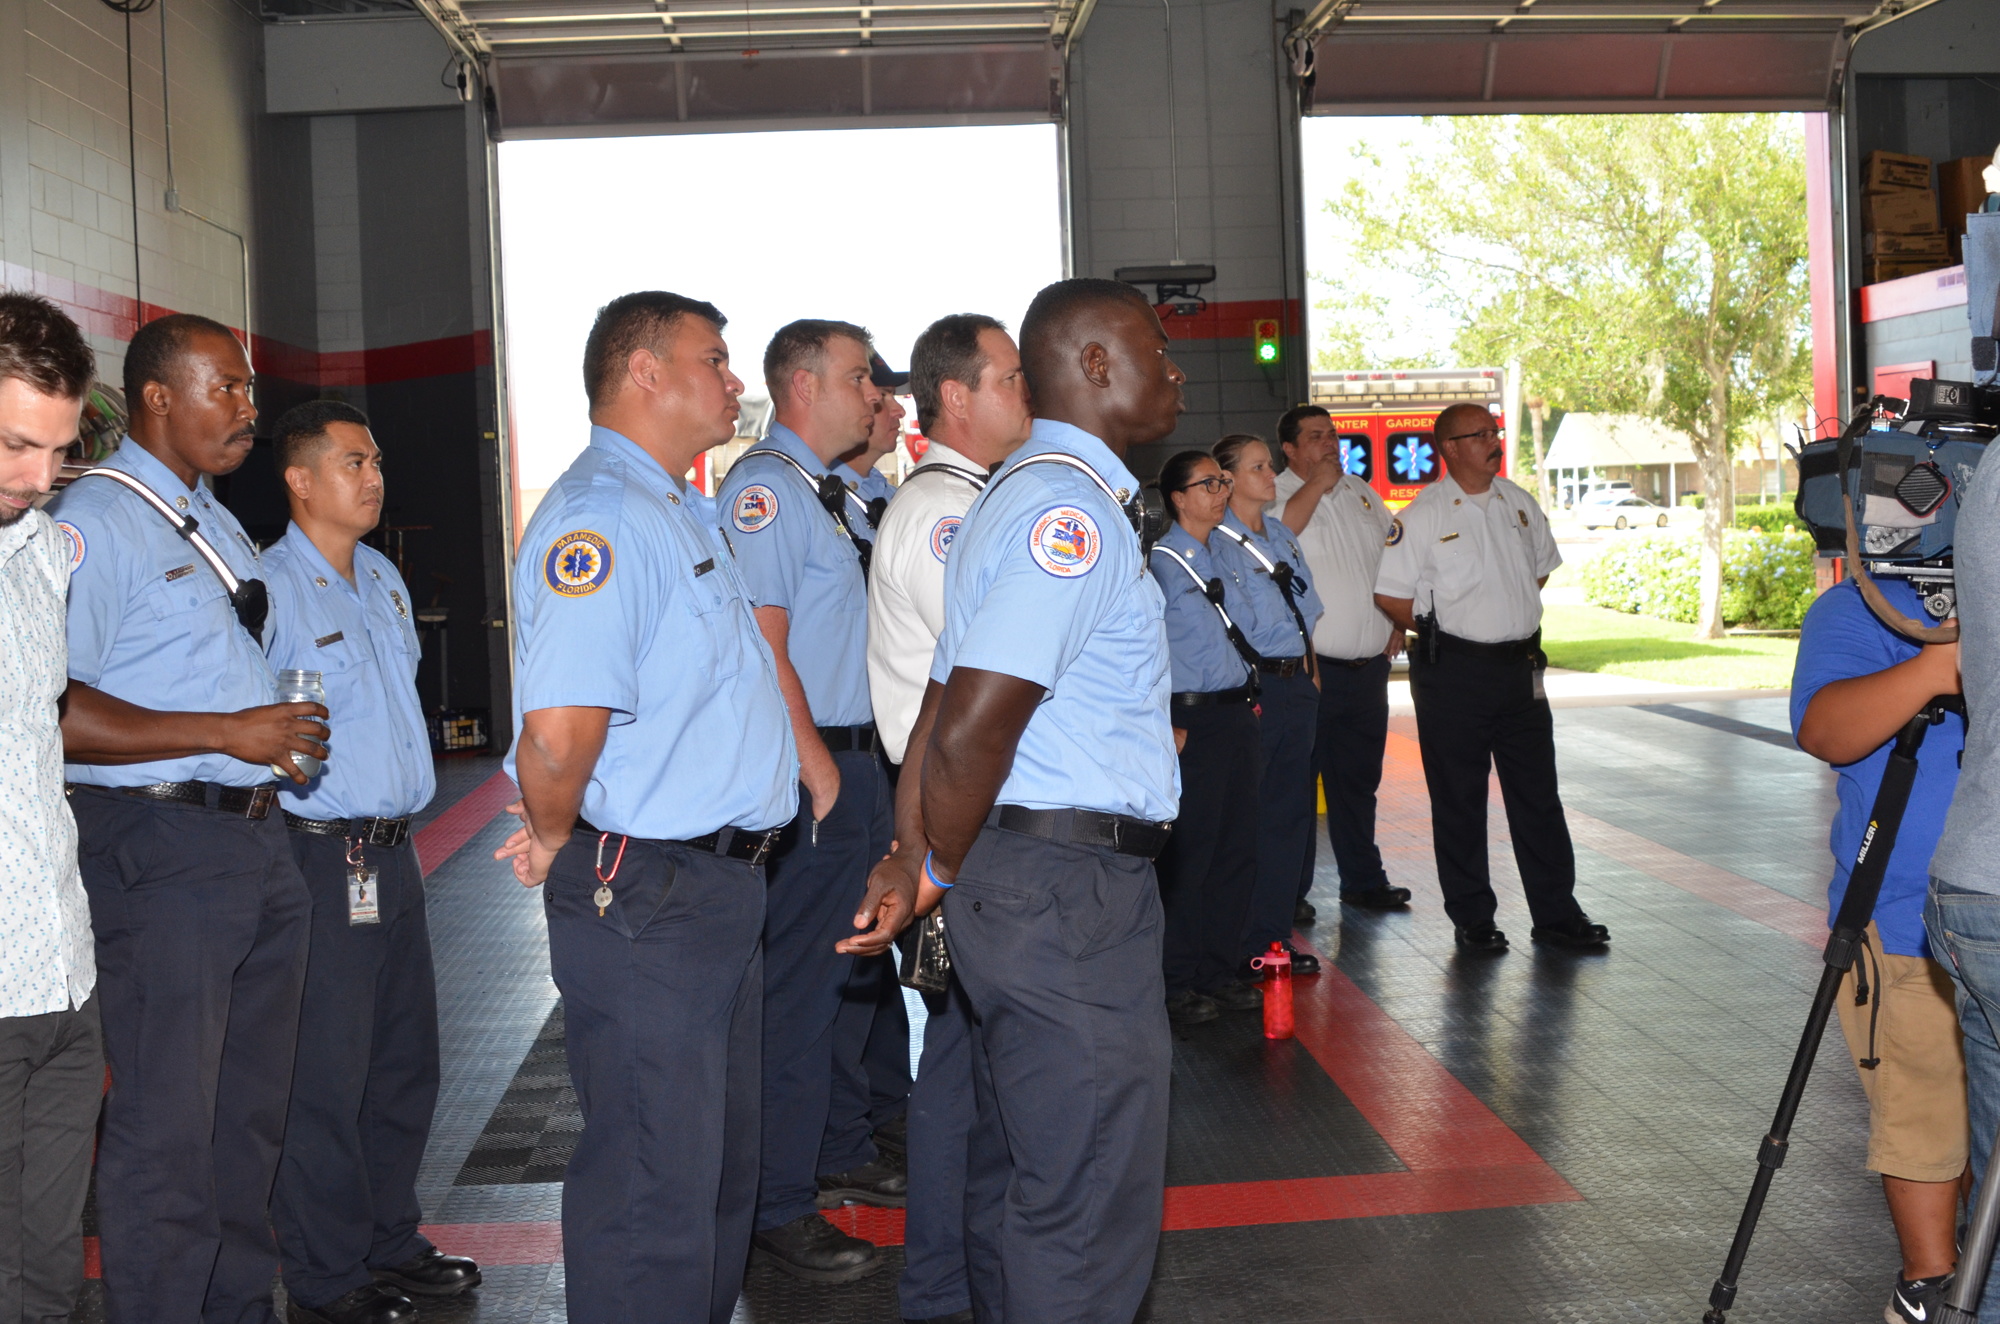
(1387, 421)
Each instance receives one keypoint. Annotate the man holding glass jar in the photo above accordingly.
(345, 1208)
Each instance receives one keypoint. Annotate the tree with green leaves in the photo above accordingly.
(1650, 264)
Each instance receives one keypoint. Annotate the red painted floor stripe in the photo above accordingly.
(438, 840)
(1366, 1195)
(499, 1243)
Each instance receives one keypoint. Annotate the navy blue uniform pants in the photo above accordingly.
(201, 921)
(1476, 713)
(1353, 736)
(1208, 872)
(817, 1015)
(958, 1171)
(1286, 813)
(365, 1086)
(1058, 950)
(662, 1010)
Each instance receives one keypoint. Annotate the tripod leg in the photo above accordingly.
(1961, 1303)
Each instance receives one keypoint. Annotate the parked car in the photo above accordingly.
(1625, 512)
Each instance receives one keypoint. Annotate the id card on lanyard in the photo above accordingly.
(364, 888)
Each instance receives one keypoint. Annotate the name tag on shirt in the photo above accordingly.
(179, 572)
(1448, 537)
(704, 567)
(326, 639)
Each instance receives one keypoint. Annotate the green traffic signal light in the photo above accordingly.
(1265, 336)
(1267, 352)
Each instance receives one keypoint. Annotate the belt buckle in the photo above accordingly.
(260, 801)
(381, 832)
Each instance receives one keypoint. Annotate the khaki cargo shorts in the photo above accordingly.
(1917, 1125)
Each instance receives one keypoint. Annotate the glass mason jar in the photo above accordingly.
(300, 687)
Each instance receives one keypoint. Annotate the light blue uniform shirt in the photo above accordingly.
(149, 622)
(863, 488)
(795, 555)
(1267, 622)
(626, 597)
(1045, 583)
(1203, 658)
(361, 640)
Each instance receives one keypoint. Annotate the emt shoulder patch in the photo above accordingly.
(578, 564)
(1065, 542)
(78, 549)
(1395, 533)
(942, 534)
(756, 506)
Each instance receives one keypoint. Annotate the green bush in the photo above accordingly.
(1770, 518)
(1767, 578)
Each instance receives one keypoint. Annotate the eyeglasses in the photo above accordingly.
(1220, 483)
(1475, 436)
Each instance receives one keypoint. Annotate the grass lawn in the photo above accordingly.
(1598, 639)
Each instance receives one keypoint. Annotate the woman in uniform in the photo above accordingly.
(1210, 864)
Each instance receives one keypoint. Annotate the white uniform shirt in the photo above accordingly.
(1343, 547)
(906, 588)
(47, 960)
(1477, 565)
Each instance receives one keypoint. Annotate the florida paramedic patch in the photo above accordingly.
(942, 533)
(577, 564)
(1395, 533)
(756, 506)
(1064, 541)
(77, 547)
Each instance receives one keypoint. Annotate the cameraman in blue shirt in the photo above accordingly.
(1856, 685)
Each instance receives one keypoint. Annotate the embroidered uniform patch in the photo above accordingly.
(756, 506)
(577, 564)
(1395, 533)
(942, 534)
(1065, 542)
(78, 549)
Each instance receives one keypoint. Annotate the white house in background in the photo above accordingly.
(1656, 460)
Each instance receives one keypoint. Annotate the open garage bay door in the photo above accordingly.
(1459, 57)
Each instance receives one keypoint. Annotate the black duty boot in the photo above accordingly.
(432, 1273)
(371, 1303)
(811, 1248)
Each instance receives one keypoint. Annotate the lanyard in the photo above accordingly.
(1284, 582)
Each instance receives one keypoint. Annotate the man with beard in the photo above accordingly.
(1464, 567)
(200, 913)
(1049, 784)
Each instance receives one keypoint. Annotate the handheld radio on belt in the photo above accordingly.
(247, 597)
(1212, 590)
(1282, 574)
(832, 494)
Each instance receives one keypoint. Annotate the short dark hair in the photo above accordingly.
(1054, 308)
(154, 354)
(1288, 422)
(628, 323)
(300, 432)
(1174, 475)
(947, 351)
(41, 346)
(802, 344)
(1229, 451)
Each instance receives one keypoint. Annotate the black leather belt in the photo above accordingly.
(369, 831)
(1351, 663)
(238, 801)
(1084, 827)
(1193, 699)
(1507, 650)
(1282, 666)
(735, 843)
(842, 739)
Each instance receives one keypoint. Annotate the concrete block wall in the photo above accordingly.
(1941, 336)
(1235, 141)
(67, 222)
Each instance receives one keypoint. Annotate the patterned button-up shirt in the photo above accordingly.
(46, 958)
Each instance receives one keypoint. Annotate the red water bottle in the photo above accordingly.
(1277, 967)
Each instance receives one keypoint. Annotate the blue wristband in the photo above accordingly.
(930, 875)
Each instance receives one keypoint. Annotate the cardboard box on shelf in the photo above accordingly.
(1911, 211)
(1878, 269)
(1905, 245)
(1961, 190)
(1888, 172)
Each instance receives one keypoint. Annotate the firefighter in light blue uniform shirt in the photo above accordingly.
(635, 626)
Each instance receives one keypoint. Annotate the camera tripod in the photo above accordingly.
(1864, 886)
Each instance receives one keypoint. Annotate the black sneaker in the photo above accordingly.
(1916, 1300)
(883, 1181)
(1188, 1007)
(811, 1248)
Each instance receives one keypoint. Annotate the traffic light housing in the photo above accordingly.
(1266, 342)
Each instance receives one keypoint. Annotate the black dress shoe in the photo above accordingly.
(1304, 915)
(1480, 938)
(1237, 997)
(1188, 1007)
(894, 1134)
(432, 1273)
(371, 1303)
(1579, 932)
(811, 1248)
(882, 1181)
(1384, 897)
